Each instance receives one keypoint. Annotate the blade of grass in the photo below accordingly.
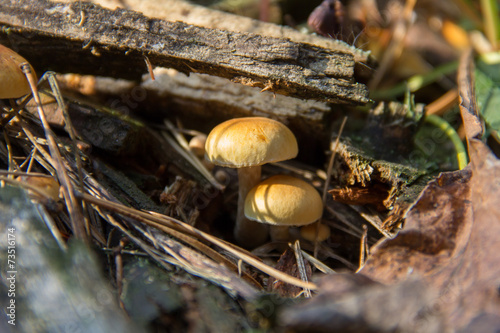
(452, 135)
(415, 82)
(491, 21)
(468, 9)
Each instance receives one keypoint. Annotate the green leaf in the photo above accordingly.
(488, 89)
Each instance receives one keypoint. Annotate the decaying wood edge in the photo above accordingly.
(202, 101)
(189, 13)
(233, 100)
(86, 38)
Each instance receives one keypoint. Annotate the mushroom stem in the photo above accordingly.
(248, 233)
(279, 233)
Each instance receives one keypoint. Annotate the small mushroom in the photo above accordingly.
(246, 144)
(315, 232)
(13, 82)
(197, 145)
(283, 201)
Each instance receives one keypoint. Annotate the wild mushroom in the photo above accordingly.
(246, 144)
(13, 82)
(315, 232)
(197, 145)
(283, 201)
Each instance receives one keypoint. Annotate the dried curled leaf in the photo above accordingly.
(442, 271)
(452, 234)
(354, 303)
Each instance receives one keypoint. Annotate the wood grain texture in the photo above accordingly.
(86, 38)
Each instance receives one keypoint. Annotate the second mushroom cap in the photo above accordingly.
(284, 200)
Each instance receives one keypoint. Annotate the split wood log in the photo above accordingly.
(85, 38)
(189, 13)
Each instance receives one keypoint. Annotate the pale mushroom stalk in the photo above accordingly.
(247, 231)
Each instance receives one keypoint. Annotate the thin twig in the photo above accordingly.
(328, 178)
(169, 221)
(51, 78)
(189, 156)
(9, 151)
(363, 247)
(300, 265)
(328, 251)
(28, 160)
(439, 106)
(119, 270)
(143, 245)
(202, 248)
(51, 225)
(27, 174)
(332, 158)
(375, 221)
(73, 207)
(318, 264)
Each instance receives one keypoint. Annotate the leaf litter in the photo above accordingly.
(440, 272)
(442, 269)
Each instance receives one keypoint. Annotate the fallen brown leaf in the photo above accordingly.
(442, 271)
(288, 264)
(354, 303)
(452, 234)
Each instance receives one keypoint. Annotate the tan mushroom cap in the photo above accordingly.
(285, 201)
(308, 232)
(197, 145)
(252, 141)
(13, 82)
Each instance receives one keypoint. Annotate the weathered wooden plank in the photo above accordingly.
(86, 38)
